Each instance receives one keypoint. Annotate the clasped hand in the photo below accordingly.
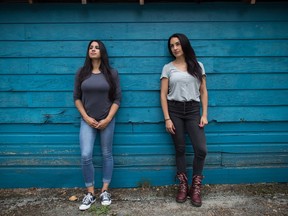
(97, 124)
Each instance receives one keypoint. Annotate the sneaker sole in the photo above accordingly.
(87, 207)
(106, 203)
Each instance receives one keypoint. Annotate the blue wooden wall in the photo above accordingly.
(245, 52)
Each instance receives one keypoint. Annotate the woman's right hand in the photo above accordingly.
(91, 122)
(170, 126)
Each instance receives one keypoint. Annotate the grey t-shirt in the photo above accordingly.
(94, 94)
(182, 85)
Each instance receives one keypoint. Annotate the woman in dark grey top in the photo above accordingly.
(97, 96)
(183, 89)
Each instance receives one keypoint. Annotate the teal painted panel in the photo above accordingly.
(141, 115)
(72, 177)
(145, 139)
(259, 159)
(152, 65)
(211, 48)
(60, 128)
(249, 148)
(145, 82)
(147, 31)
(134, 160)
(247, 81)
(224, 127)
(31, 150)
(48, 141)
(243, 48)
(120, 161)
(143, 128)
(147, 98)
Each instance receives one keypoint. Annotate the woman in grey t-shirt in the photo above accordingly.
(183, 89)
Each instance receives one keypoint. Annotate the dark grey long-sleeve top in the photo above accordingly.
(94, 94)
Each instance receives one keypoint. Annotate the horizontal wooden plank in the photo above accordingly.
(248, 148)
(260, 159)
(246, 81)
(28, 150)
(119, 160)
(144, 31)
(213, 159)
(145, 82)
(147, 98)
(212, 127)
(248, 97)
(212, 48)
(143, 139)
(149, 65)
(66, 177)
(141, 115)
(217, 159)
(70, 13)
(245, 114)
(65, 99)
(151, 128)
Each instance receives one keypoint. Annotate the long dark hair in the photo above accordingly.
(193, 66)
(105, 68)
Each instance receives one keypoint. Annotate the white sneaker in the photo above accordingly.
(87, 201)
(105, 198)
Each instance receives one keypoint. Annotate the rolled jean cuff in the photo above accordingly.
(89, 184)
(106, 181)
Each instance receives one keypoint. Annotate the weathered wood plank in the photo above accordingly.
(144, 139)
(125, 160)
(134, 160)
(145, 82)
(147, 98)
(130, 65)
(143, 128)
(73, 150)
(160, 161)
(72, 177)
(211, 48)
(214, 127)
(143, 31)
(141, 115)
(248, 159)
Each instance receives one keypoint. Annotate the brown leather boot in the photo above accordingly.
(183, 188)
(195, 190)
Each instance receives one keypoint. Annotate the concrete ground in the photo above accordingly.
(218, 200)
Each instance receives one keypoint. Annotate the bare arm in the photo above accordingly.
(204, 101)
(163, 96)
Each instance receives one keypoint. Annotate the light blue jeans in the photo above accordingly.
(87, 140)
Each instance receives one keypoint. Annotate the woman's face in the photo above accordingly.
(176, 47)
(94, 50)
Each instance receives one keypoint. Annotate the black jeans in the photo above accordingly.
(186, 118)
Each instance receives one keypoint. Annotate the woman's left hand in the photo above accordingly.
(203, 121)
(102, 124)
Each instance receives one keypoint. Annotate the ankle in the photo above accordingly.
(92, 193)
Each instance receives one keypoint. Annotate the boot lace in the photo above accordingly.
(183, 186)
(197, 185)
